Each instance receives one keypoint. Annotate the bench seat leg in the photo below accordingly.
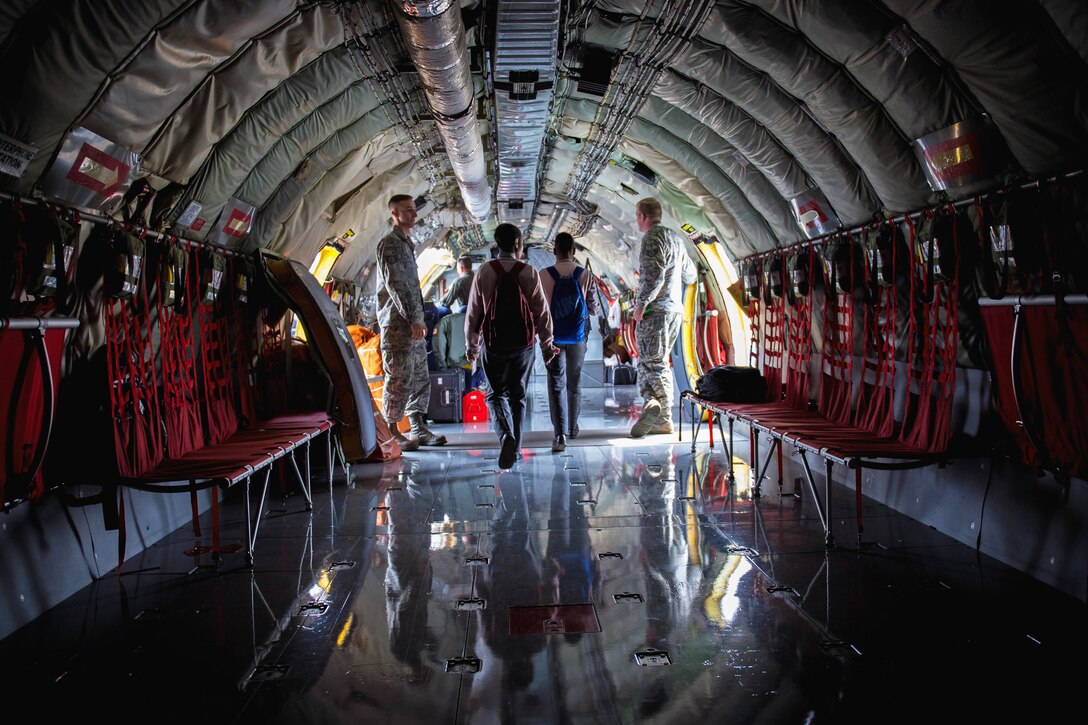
(762, 473)
(328, 456)
(696, 422)
(779, 470)
(821, 509)
(194, 503)
(729, 452)
(303, 481)
(829, 541)
(857, 501)
(252, 526)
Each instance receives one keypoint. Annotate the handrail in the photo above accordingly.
(100, 219)
(1033, 300)
(38, 323)
(903, 217)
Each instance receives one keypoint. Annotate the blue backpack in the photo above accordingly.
(570, 314)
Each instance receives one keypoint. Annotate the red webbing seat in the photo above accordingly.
(799, 339)
(206, 445)
(236, 460)
(931, 371)
(1040, 377)
(862, 435)
(810, 432)
(876, 396)
(30, 364)
(178, 365)
(837, 356)
(774, 343)
(220, 416)
(133, 389)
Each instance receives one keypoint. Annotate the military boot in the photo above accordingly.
(403, 442)
(651, 413)
(664, 421)
(663, 425)
(425, 435)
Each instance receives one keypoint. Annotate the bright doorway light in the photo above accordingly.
(320, 269)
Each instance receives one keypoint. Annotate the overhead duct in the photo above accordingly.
(435, 38)
(527, 35)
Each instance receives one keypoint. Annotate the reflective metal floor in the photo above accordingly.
(621, 581)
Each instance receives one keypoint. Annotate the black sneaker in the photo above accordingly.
(508, 453)
(559, 444)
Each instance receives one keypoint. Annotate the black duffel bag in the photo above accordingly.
(732, 384)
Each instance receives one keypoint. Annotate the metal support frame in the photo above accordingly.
(253, 525)
(343, 459)
(761, 473)
(855, 462)
(823, 508)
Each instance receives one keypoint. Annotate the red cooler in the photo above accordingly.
(474, 407)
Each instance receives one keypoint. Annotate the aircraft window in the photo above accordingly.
(431, 264)
(320, 269)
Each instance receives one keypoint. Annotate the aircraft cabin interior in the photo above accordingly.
(864, 495)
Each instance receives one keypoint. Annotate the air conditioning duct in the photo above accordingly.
(435, 37)
(526, 38)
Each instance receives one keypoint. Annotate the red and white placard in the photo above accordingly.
(234, 223)
(90, 171)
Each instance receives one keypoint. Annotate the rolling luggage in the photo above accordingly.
(624, 375)
(447, 390)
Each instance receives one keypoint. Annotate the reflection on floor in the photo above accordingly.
(620, 581)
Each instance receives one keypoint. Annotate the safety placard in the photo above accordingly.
(14, 156)
(813, 214)
(954, 156)
(90, 171)
(192, 211)
(234, 223)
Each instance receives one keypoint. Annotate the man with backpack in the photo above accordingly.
(505, 307)
(571, 302)
(665, 269)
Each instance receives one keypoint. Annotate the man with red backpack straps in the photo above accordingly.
(505, 307)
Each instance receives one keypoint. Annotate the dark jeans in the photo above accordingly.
(565, 388)
(508, 375)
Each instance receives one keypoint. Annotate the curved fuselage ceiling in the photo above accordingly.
(735, 113)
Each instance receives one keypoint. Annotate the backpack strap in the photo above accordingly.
(501, 270)
(554, 273)
(514, 270)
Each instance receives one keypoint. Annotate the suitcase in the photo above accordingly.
(624, 375)
(447, 389)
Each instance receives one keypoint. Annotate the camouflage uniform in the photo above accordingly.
(664, 268)
(400, 303)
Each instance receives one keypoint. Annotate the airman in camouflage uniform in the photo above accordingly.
(664, 270)
(403, 331)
